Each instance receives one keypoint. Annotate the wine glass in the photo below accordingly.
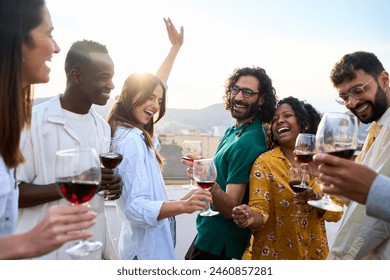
(194, 148)
(336, 135)
(298, 182)
(305, 146)
(110, 157)
(205, 175)
(78, 177)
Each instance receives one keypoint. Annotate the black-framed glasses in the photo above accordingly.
(246, 92)
(356, 92)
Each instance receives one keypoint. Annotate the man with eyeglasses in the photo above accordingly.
(363, 87)
(251, 100)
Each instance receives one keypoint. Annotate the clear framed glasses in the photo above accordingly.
(246, 92)
(356, 92)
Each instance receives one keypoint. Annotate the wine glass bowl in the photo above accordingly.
(112, 158)
(305, 147)
(337, 134)
(205, 175)
(78, 177)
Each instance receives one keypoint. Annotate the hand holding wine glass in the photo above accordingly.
(298, 182)
(78, 176)
(205, 175)
(190, 150)
(336, 135)
(110, 158)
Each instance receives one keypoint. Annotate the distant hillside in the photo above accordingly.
(198, 119)
(176, 120)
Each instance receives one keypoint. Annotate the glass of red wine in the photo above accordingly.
(205, 175)
(194, 148)
(78, 176)
(298, 182)
(110, 157)
(337, 134)
(305, 148)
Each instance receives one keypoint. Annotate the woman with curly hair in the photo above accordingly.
(271, 214)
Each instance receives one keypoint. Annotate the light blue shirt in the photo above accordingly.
(9, 194)
(378, 200)
(142, 235)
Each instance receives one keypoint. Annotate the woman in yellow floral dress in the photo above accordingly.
(278, 232)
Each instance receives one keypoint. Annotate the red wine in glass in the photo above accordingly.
(77, 192)
(110, 160)
(347, 153)
(78, 176)
(206, 185)
(305, 157)
(296, 186)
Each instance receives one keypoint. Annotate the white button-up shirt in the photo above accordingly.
(8, 199)
(142, 235)
(361, 236)
(51, 131)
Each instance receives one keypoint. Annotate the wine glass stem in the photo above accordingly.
(303, 183)
(208, 207)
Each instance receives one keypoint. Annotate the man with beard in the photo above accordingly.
(362, 84)
(251, 99)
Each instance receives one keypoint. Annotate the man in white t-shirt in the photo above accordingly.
(68, 121)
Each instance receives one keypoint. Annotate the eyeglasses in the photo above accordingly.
(246, 92)
(356, 92)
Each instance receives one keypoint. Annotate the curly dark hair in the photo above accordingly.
(307, 116)
(265, 88)
(344, 70)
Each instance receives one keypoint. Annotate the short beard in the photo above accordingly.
(253, 109)
(379, 107)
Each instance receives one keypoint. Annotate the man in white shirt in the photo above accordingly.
(68, 121)
(363, 87)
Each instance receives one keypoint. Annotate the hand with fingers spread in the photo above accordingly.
(176, 38)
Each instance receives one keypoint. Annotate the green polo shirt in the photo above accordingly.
(234, 159)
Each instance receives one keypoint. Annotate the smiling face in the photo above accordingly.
(244, 109)
(285, 127)
(144, 112)
(373, 102)
(38, 52)
(95, 79)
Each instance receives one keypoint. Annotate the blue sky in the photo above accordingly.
(297, 42)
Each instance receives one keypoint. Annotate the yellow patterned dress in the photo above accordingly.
(285, 235)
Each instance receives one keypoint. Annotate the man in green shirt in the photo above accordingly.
(251, 99)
